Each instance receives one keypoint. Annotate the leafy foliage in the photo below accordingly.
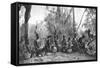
(60, 22)
(91, 27)
(91, 20)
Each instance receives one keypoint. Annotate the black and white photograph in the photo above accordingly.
(53, 33)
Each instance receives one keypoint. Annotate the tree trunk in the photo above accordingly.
(27, 15)
(74, 29)
(81, 19)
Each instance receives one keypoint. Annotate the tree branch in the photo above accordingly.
(81, 19)
(68, 15)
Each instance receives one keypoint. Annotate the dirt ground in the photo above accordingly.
(53, 57)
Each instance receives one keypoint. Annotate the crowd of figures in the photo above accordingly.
(53, 44)
(83, 45)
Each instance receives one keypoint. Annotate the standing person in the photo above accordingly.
(63, 44)
(36, 46)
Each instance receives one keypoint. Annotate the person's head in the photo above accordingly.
(68, 38)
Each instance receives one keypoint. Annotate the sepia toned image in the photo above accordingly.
(56, 33)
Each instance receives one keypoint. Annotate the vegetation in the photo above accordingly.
(59, 34)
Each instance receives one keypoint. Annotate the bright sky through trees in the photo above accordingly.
(38, 13)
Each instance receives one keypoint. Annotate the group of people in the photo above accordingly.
(51, 44)
(55, 44)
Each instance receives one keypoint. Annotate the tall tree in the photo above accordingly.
(24, 15)
(27, 16)
(74, 25)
